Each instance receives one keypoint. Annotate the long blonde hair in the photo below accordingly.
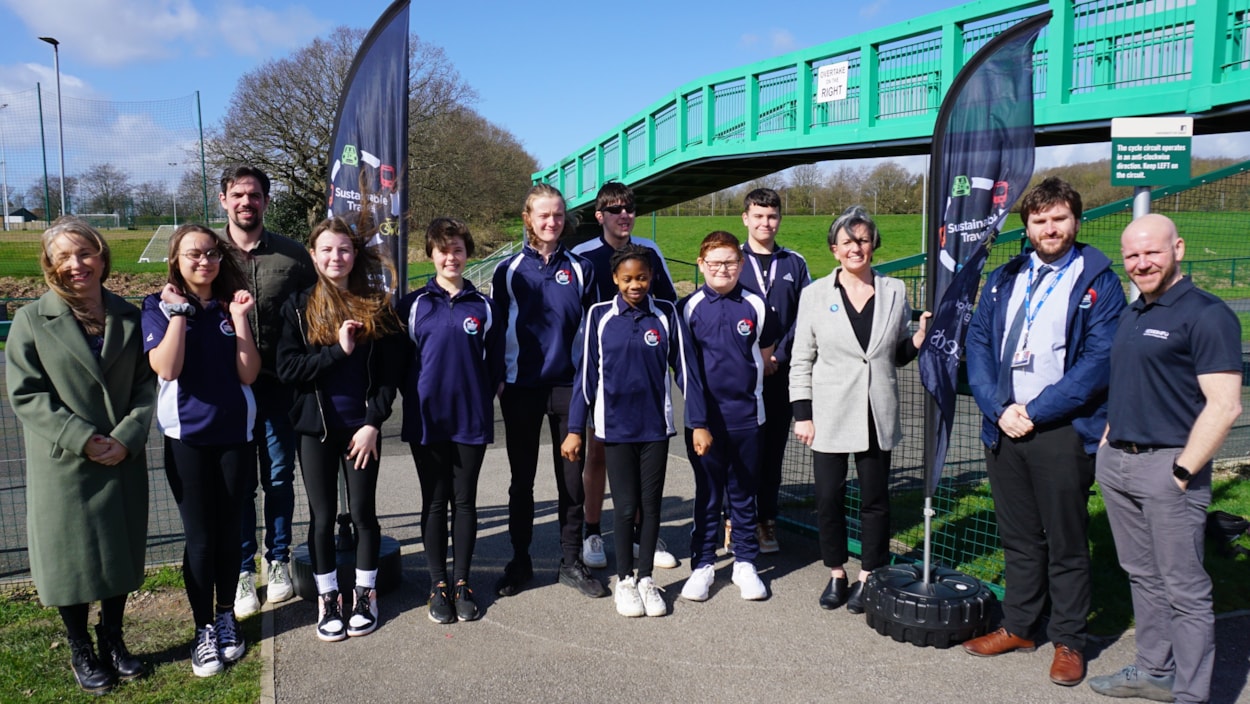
(91, 319)
(545, 190)
(366, 298)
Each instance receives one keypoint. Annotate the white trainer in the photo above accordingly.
(628, 600)
(280, 588)
(748, 580)
(245, 601)
(699, 583)
(652, 602)
(663, 558)
(593, 553)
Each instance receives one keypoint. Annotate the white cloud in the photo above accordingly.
(748, 40)
(782, 41)
(18, 78)
(110, 33)
(258, 31)
(1234, 144)
(872, 9)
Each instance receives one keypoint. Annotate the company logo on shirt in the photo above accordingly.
(788, 277)
(651, 337)
(226, 328)
(1157, 334)
(745, 326)
(563, 277)
(471, 325)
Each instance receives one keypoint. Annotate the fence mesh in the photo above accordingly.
(1212, 216)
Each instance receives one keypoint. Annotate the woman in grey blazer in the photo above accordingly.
(850, 337)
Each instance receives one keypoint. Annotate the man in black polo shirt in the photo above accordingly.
(1175, 392)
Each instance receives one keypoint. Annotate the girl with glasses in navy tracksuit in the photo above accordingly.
(340, 349)
(627, 346)
(455, 371)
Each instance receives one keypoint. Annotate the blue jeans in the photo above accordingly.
(275, 448)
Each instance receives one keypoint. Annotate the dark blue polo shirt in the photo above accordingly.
(1159, 351)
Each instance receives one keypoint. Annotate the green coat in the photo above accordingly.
(86, 523)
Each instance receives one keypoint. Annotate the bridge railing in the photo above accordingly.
(1096, 59)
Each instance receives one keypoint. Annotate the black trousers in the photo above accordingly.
(829, 474)
(523, 409)
(207, 482)
(448, 472)
(1041, 486)
(320, 463)
(636, 475)
(777, 415)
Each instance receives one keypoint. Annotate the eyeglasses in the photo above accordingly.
(212, 256)
(728, 265)
(618, 209)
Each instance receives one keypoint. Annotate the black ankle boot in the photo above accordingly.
(113, 653)
(92, 675)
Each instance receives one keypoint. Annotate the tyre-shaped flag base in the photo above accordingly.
(949, 609)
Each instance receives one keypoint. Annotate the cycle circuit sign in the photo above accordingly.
(1150, 151)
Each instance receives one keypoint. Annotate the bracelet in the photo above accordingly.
(172, 309)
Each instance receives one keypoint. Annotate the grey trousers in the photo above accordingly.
(1158, 533)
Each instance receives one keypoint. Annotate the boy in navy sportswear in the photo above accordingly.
(455, 372)
(732, 332)
(639, 339)
(542, 292)
(777, 275)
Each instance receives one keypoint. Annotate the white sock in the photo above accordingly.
(366, 578)
(326, 583)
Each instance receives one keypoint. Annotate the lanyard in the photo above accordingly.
(765, 284)
(1029, 316)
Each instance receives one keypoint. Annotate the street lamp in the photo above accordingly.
(60, 114)
(175, 193)
(4, 173)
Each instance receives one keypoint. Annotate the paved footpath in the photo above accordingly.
(550, 644)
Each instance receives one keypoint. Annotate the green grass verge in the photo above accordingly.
(159, 631)
(963, 514)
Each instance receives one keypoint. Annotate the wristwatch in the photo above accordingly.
(1181, 473)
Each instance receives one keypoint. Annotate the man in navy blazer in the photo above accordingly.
(1038, 352)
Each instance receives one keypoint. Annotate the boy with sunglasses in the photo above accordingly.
(615, 211)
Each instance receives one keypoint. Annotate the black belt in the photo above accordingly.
(1134, 448)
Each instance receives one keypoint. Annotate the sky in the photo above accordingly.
(555, 74)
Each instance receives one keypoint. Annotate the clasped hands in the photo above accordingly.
(105, 450)
(1015, 421)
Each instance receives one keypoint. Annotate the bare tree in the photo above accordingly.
(152, 199)
(37, 196)
(806, 181)
(281, 114)
(105, 188)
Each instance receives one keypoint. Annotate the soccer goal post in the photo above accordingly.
(158, 247)
(101, 221)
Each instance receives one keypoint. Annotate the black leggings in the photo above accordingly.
(75, 617)
(320, 461)
(636, 475)
(207, 484)
(448, 472)
(873, 467)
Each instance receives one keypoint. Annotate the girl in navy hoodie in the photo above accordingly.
(340, 350)
(454, 373)
(628, 345)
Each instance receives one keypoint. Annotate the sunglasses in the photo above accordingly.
(618, 209)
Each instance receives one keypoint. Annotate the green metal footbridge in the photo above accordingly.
(1097, 59)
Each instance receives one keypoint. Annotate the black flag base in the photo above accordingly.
(389, 569)
(949, 609)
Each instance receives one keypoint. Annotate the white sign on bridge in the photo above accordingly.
(831, 82)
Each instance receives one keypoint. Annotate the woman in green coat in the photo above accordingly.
(81, 387)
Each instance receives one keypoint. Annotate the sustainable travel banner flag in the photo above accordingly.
(982, 161)
(368, 180)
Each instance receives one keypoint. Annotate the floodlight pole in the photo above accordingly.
(60, 114)
(175, 193)
(4, 172)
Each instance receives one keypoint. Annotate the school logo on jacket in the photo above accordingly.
(1090, 298)
(472, 325)
(227, 328)
(651, 337)
(563, 277)
(745, 326)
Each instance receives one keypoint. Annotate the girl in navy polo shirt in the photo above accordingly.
(455, 371)
(732, 332)
(340, 350)
(200, 345)
(628, 345)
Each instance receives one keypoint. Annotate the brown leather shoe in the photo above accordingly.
(1068, 669)
(997, 643)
